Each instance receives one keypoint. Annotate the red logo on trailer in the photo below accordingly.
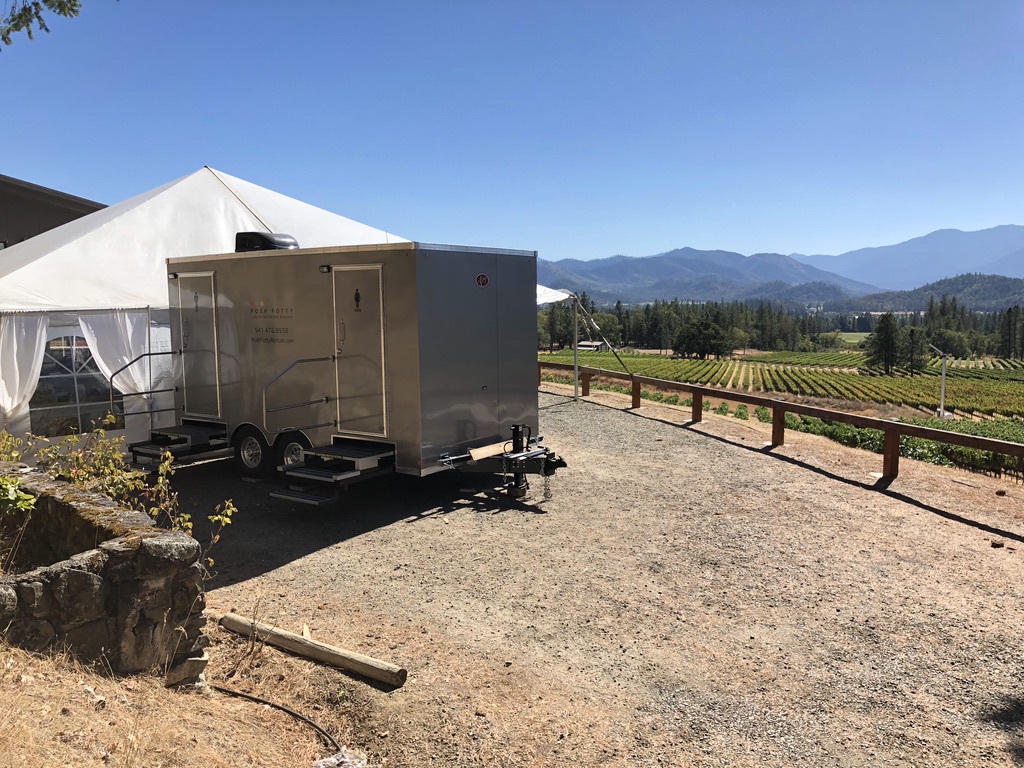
(482, 280)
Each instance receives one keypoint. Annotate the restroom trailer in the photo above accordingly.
(333, 365)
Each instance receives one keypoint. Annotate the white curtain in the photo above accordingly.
(115, 339)
(22, 344)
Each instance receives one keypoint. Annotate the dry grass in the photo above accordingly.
(59, 712)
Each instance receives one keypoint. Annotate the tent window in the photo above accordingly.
(72, 396)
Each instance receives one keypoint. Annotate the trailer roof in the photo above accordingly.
(407, 245)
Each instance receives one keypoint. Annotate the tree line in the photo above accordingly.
(718, 329)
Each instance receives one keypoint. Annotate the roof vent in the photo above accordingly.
(263, 241)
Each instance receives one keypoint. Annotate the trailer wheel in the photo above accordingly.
(252, 453)
(290, 447)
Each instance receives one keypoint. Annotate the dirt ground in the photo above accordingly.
(685, 597)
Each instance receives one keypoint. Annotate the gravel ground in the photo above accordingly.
(686, 597)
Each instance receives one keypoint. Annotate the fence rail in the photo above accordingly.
(892, 430)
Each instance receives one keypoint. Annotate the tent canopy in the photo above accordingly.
(115, 258)
(547, 295)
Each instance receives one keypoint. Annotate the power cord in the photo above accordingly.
(324, 734)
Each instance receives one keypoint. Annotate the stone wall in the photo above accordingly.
(106, 582)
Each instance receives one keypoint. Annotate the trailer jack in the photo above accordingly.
(514, 460)
(519, 486)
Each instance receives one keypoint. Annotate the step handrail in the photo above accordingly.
(290, 406)
(125, 367)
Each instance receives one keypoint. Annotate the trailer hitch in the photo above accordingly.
(553, 463)
(513, 460)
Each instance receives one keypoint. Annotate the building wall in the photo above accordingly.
(27, 209)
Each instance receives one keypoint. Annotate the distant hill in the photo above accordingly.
(981, 293)
(688, 274)
(693, 275)
(941, 254)
(1010, 265)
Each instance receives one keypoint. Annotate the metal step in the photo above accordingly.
(337, 465)
(194, 434)
(328, 475)
(156, 450)
(362, 456)
(302, 497)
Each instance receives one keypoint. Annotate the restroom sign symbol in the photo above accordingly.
(482, 280)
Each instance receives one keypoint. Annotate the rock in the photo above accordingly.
(346, 758)
(8, 603)
(188, 671)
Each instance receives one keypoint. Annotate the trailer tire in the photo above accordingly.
(253, 455)
(289, 448)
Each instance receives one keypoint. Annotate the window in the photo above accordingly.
(72, 395)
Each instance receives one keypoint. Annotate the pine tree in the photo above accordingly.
(883, 343)
(23, 14)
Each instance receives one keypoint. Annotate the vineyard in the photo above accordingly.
(994, 389)
(989, 387)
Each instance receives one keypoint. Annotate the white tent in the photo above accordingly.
(547, 295)
(103, 278)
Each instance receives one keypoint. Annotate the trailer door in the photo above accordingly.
(359, 345)
(197, 326)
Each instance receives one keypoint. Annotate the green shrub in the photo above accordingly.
(11, 447)
(741, 411)
(92, 461)
(13, 499)
(763, 414)
(722, 409)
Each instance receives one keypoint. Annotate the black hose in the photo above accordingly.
(326, 736)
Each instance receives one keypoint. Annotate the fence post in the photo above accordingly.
(697, 406)
(891, 454)
(586, 383)
(778, 425)
(636, 394)
(540, 375)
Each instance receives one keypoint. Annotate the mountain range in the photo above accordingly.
(981, 293)
(688, 274)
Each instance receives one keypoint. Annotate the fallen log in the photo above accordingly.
(351, 661)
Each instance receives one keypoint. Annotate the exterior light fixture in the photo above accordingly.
(325, 268)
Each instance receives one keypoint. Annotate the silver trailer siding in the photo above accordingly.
(430, 348)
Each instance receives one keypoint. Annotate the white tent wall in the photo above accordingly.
(114, 261)
(22, 341)
(114, 339)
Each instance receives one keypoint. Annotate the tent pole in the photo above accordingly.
(149, 361)
(576, 348)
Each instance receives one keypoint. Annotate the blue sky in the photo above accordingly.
(581, 129)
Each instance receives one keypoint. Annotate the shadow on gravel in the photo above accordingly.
(1009, 717)
(882, 486)
(267, 533)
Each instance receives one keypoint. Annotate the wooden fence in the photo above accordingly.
(892, 430)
